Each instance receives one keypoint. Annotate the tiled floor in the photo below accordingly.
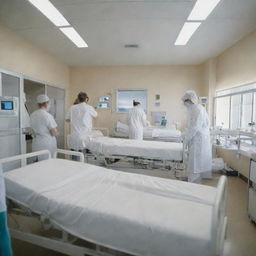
(241, 233)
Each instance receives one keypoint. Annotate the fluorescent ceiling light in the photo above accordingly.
(48, 9)
(186, 32)
(71, 33)
(202, 9)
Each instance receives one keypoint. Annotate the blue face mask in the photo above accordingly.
(187, 104)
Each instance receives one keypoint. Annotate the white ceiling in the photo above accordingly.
(107, 25)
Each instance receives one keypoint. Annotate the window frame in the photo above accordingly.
(230, 94)
(119, 90)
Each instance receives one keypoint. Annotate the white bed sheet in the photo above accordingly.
(150, 132)
(138, 214)
(158, 132)
(146, 149)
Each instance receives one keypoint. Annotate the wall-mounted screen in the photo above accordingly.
(7, 105)
(125, 98)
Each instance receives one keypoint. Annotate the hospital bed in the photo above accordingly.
(125, 212)
(148, 154)
(149, 133)
(238, 141)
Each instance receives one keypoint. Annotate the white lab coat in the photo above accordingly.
(2, 191)
(81, 117)
(41, 123)
(136, 120)
(199, 145)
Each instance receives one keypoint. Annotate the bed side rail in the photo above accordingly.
(69, 153)
(219, 218)
(26, 156)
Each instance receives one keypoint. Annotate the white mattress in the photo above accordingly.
(146, 149)
(138, 214)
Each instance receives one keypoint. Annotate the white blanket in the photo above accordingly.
(145, 149)
(79, 141)
(137, 214)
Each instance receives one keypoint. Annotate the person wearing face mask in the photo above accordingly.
(197, 138)
(44, 126)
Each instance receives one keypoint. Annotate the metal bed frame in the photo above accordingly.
(66, 245)
(178, 167)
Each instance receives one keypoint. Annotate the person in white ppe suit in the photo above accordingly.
(197, 137)
(43, 126)
(81, 117)
(137, 120)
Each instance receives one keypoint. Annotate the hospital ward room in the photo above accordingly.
(128, 127)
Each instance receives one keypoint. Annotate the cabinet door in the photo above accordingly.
(10, 128)
(253, 171)
(252, 204)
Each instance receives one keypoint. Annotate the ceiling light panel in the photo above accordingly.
(202, 9)
(186, 32)
(71, 33)
(48, 9)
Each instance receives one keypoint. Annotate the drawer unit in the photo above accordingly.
(252, 191)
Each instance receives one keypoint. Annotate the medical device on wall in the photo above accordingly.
(105, 99)
(159, 118)
(104, 102)
(9, 106)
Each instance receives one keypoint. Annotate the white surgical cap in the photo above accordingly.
(190, 95)
(42, 98)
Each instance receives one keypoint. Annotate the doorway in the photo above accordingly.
(34, 88)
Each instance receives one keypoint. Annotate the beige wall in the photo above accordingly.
(169, 81)
(20, 56)
(209, 81)
(237, 65)
(17, 54)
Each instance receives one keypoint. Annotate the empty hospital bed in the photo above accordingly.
(130, 213)
(170, 155)
(149, 133)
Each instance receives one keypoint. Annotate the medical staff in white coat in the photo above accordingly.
(197, 137)
(44, 126)
(5, 241)
(81, 116)
(137, 120)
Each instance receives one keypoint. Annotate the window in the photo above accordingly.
(235, 108)
(125, 98)
(247, 110)
(222, 111)
(235, 111)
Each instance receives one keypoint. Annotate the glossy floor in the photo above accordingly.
(241, 233)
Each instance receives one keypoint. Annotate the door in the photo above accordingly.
(57, 109)
(11, 137)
